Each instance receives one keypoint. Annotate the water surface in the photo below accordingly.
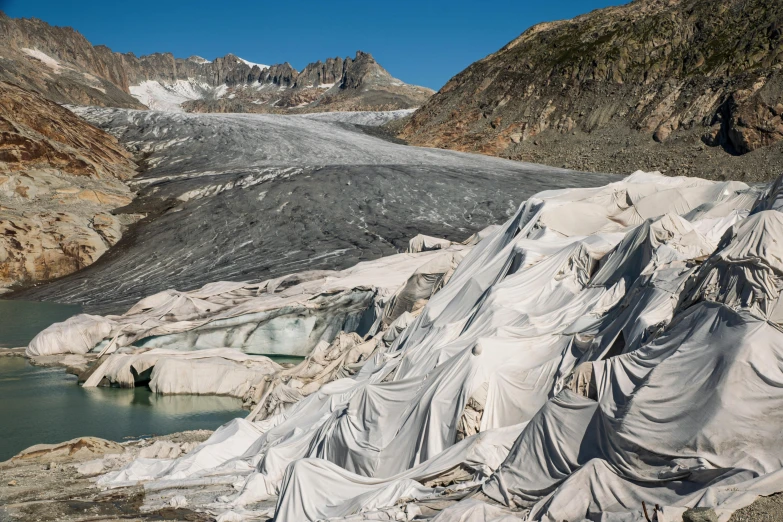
(20, 321)
(45, 405)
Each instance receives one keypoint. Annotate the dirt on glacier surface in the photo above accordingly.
(247, 196)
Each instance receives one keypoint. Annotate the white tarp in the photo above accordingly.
(627, 338)
(288, 315)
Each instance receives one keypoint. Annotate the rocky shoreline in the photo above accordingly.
(55, 482)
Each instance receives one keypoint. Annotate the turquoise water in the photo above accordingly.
(20, 321)
(45, 405)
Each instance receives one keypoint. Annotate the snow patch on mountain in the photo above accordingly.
(220, 91)
(252, 64)
(168, 97)
(45, 58)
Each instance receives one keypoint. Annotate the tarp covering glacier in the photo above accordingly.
(288, 315)
(603, 348)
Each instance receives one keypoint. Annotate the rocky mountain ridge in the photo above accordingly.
(357, 84)
(59, 63)
(685, 86)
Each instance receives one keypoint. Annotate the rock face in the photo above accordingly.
(685, 74)
(350, 84)
(37, 132)
(59, 178)
(61, 64)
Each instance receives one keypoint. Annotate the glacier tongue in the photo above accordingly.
(288, 316)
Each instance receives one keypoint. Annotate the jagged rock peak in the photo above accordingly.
(62, 65)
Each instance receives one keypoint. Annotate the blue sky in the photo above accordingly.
(424, 42)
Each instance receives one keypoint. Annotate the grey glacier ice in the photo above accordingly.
(602, 348)
(241, 197)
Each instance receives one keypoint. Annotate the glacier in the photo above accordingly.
(286, 316)
(249, 197)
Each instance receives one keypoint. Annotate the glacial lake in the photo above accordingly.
(20, 321)
(45, 405)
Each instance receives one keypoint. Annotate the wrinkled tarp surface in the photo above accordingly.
(288, 315)
(611, 346)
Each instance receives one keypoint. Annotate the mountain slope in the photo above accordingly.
(61, 64)
(59, 178)
(606, 89)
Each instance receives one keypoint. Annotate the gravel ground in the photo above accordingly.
(609, 150)
(764, 509)
(48, 488)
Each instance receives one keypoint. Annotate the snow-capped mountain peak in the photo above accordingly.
(253, 64)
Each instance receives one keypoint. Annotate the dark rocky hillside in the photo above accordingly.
(686, 86)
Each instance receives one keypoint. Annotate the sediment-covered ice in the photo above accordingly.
(369, 118)
(603, 348)
(238, 197)
(288, 315)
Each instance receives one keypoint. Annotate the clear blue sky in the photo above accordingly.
(424, 42)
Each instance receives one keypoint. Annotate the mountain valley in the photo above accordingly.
(687, 87)
(551, 291)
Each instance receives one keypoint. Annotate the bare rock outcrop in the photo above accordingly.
(59, 179)
(60, 64)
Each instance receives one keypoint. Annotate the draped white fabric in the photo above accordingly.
(288, 315)
(663, 292)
